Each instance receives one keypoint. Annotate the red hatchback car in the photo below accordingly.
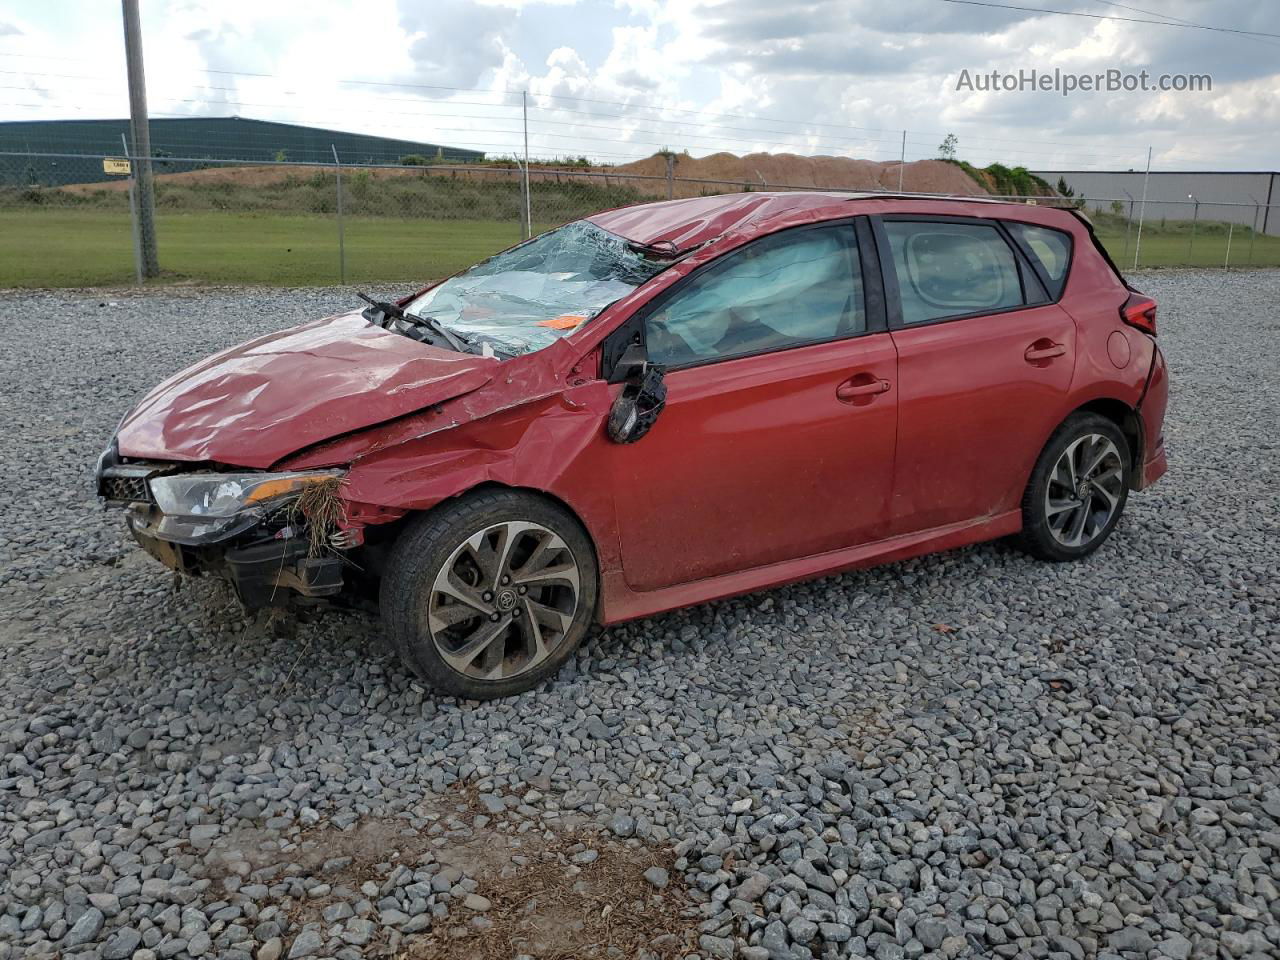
(658, 406)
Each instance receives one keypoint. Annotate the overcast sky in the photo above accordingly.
(617, 79)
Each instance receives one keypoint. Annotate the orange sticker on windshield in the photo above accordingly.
(566, 321)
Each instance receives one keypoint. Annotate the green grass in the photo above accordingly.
(1169, 248)
(88, 247)
(91, 246)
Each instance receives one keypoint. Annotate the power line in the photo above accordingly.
(1098, 16)
(804, 139)
(792, 141)
(806, 128)
(1169, 16)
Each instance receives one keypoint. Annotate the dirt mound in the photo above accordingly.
(820, 172)
(695, 176)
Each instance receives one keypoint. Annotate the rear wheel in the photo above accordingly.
(488, 595)
(1077, 490)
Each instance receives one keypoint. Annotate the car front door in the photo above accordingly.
(778, 436)
(985, 361)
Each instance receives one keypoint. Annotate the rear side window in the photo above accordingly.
(1051, 248)
(952, 269)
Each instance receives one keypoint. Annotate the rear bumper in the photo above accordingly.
(1157, 466)
(1151, 408)
(262, 574)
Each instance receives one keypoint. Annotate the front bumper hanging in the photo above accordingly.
(262, 574)
(264, 563)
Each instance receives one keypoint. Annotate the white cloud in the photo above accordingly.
(845, 75)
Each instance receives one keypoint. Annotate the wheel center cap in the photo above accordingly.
(506, 600)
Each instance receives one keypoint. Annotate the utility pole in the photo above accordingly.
(140, 134)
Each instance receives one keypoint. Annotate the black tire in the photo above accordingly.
(413, 597)
(1043, 535)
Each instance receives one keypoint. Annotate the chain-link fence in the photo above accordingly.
(66, 220)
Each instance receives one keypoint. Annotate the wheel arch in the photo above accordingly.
(1130, 423)
(486, 486)
(388, 533)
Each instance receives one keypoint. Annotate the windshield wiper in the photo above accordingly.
(436, 327)
(380, 313)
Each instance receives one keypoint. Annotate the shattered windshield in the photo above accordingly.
(530, 296)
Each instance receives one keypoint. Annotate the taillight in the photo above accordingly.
(1140, 312)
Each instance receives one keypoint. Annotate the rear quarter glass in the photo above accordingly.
(1051, 249)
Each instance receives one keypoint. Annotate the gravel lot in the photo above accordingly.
(971, 754)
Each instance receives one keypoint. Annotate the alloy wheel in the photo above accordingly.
(504, 600)
(1084, 490)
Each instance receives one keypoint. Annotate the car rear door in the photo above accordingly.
(985, 362)
(778, 435)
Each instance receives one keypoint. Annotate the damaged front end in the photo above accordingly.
(271, 535)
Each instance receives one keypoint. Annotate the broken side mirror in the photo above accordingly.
(642, 399)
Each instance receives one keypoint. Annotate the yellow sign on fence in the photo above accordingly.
(118, 165)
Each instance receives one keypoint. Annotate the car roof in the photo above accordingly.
(688, 223)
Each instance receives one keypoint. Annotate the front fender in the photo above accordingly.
(555, 445)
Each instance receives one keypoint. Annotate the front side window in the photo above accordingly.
(788, 289)
(952, 269)
(529, 296)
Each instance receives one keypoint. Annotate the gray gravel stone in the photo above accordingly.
(121, 944)
(86, 929)
(306, 944)
(657, 877)
(965, 754)
(753, 888)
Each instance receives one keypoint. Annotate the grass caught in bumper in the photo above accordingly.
(262, 573)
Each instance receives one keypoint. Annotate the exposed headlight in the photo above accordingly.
(226, 494)
(201, 507)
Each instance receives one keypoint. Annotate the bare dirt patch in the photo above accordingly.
(557, 889)
(546, 905)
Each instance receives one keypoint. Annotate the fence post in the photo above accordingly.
(133, 215)
(671, 174)
(1253, 233)
(1128, 226)
(342, 247)
(1226, 264)
(1142, 215)
(1195, 219)
(528, 201)
(902, 162)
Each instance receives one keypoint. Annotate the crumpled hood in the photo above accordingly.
(254, 404)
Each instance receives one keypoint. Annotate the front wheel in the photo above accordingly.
(1077, 490)
(490, 594)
